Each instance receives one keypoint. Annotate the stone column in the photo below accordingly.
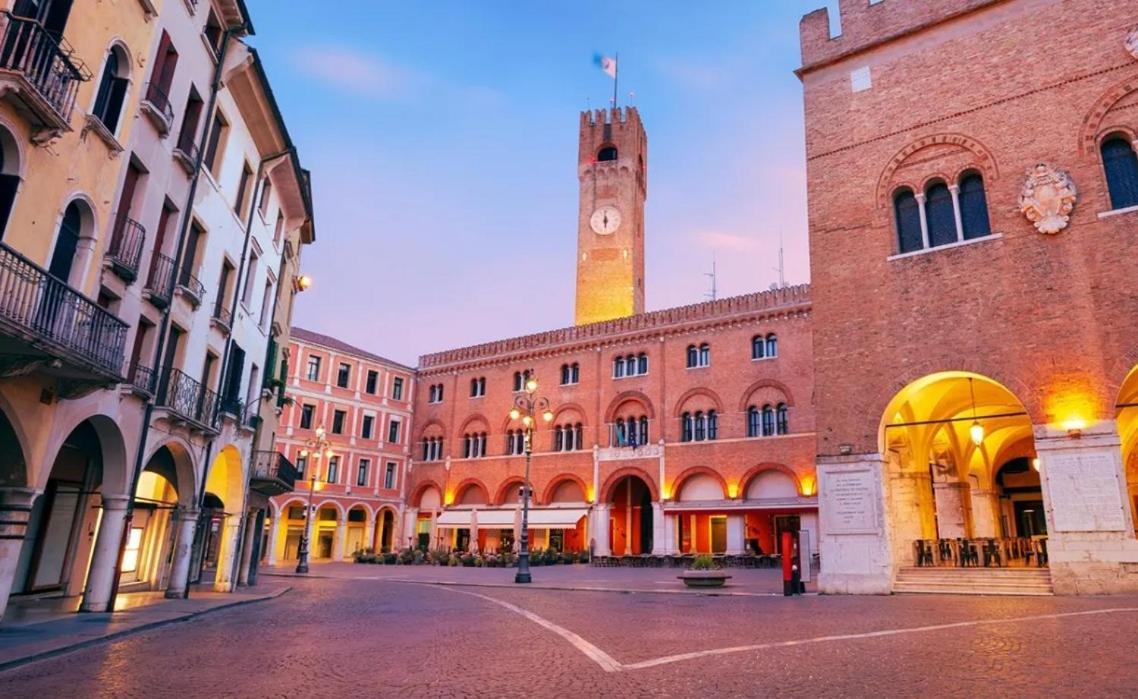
(338, 540)
(854, 533)
(280, 520)
(1091, 544)
(736, 536)
(954, 189)
(601, 531)
(920, 197)
(15, 509)
(951, 509)
(669, 533)
(985, 514)
(231, 535)
(247, 545)
(659, 538)
(104, 561)
(183, 551)
(369, 534)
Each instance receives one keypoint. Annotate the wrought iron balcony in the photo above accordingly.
(190, 286)
(188, 400)
(42, 69)
(222, 316)
(160, 281)
(141, 379)
(45, 322)
(272, 473)
(125, 251)
(156, 106)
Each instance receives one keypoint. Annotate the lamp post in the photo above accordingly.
(527, 407)
(315, 448)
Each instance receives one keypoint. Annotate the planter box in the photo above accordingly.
(704, 578)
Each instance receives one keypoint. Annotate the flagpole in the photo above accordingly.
(615, 73)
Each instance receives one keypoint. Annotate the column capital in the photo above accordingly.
(954, 188)
(920, 197)
(115, 502)
(16, 497)
(188, 513)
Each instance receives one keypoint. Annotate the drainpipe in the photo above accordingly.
(163, 328)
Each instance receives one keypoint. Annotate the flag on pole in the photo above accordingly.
(606, 64)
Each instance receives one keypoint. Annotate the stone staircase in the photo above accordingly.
(974, 581)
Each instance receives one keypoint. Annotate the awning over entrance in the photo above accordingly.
(539, 518)
(555, 518)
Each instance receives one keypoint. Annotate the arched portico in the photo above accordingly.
(219, 528)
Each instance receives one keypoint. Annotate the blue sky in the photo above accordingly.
(442, 138)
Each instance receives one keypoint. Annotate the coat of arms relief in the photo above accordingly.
(1132, 42)
(1048, 198)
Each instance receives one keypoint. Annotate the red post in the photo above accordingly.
(787, 563)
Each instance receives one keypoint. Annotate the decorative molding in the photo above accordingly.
(1048, 198)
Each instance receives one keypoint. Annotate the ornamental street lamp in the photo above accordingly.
(314, 448)
(527, 407)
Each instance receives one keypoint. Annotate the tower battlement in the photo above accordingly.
(618, 116)
(865, 24)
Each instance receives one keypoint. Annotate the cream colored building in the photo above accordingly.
(155, 206)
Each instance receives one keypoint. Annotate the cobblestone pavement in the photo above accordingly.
(337, 638)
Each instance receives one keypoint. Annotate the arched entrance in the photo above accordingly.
(429, 504)
(356, 531)
(324, 543)
(1127, 419)
(384, 531)
(153, 531)
(955, 444)
(219, 523)
(631, 521)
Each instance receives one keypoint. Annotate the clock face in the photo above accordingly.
(605, 220)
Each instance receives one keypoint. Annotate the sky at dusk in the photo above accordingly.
(442, 139)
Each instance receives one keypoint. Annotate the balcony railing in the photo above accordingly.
(186, 152)
(125, 250)
(222, 315)
(192, 286)
(35, 304)
(157, 107)
(141, 378)
(46, 63)
(160, 281)
(272, 473)
(187, 398)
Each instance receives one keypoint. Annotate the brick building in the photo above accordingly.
(362, 402)
(973, 188)
(687, 429)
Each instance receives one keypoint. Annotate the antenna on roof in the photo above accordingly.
(714, 279)
(781, 269)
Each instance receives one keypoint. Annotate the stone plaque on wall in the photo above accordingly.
(1084, 492)
(849, 502)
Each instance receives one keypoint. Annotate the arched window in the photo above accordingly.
(693, 356)
(712, 425)
(579, 435)
(753, 428)
(642, 363)
(768, 421)
(618, 367)
(519, 381)
(466, 446)
(758, 347)
(564, 374)
(940, 215)
(772, 345)
(974, 207)
(700, 427)
(558, 438)
(606, 154)
(632, 433)
(574, 373)
(112, 89)
(908, 215)
(9, 177)
(1121, 165)
(705, 354)
(781, 424)
(685, 427)
(70, 229)
(643, 429)
(620, 437)
(630, 365)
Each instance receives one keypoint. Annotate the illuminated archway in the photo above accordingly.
(946, 436)
(1127, 419)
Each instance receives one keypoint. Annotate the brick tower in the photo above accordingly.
(612, 167)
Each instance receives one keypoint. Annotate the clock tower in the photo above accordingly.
(612, 167)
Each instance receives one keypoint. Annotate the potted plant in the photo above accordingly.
(704, 573)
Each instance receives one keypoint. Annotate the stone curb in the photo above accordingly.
(147, 626)
(722, 592)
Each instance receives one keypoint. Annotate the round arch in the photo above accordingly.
(341, 513)
(759, 469)
(1093, 129)
(368, 512)
(501, 497)
(616, 476)
(779, 386)
(629, 397)
(432, 424)
(688, 474)
(13, 459)
(225, 478)
(420, 489)
(985, 161)
(13, 160)
(568, 408)
(461, 490)
(474, 419)
(556, 482)
(117, 468)
(185, 475)
(698, 391)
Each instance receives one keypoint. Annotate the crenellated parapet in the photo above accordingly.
(865, 24)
